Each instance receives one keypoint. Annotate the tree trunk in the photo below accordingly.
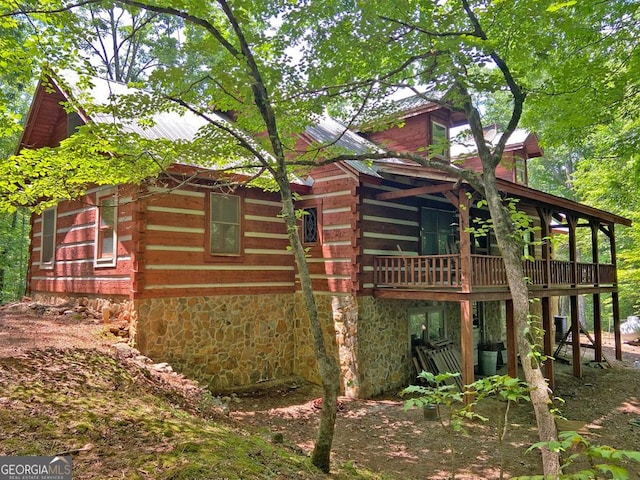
(527, 342)
(327, 365)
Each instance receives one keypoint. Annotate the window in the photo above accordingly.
(521, 170)
(439, 145)
(106, 229)
(73, 122)
(48, 238)
(310, 225)
(439, 232)
(427, 325)
(224, 225)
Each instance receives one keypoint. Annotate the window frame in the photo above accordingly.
(231, 256)
(305, 218)
(446, 155)
(303, 206)
(446, 239)
(99, 259)
(520, 175)
(427, 312)
(74, 121)
(54, 235)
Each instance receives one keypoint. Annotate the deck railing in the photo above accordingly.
(443, 271)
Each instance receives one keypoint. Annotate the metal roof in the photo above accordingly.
(177, 124)
(518, 139)
(329, 131)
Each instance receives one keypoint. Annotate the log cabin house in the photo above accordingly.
(206, 282)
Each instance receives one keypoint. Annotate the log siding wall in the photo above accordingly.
(73, 271)
(177, 262)
(334, 260)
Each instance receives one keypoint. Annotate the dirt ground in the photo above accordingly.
(379, 434)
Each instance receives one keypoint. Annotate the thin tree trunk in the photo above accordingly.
(527, 342)
(327, 365)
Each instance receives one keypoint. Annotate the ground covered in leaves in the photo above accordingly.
(66, 389)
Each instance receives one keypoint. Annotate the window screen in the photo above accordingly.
(48, 247)
(224, 227)
(107, 224)
(439, 147)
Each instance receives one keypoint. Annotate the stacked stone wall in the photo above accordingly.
(115, 308)
(223, 341)
(305, 361)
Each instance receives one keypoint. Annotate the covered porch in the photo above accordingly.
(463, 275)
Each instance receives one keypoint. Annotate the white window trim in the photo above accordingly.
(105, 262)
(49, 265)
(447, 154)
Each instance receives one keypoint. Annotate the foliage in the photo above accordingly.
(14, 249)
(524, 229)
(451, 409)
(455, 408)
(127, 44)
(604, 461)
(239, 61)
(506, 390)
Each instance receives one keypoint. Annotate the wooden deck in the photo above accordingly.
(444, 272)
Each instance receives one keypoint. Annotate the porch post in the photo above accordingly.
(575, 337)
(465, 240)
(597, 316)
(512, 351)
(572, 223)
(597, 327)
(616, 324)
(466, 341)
(545, 231)
(548, 342)
(614, 295)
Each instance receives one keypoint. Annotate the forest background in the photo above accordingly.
(586, 112)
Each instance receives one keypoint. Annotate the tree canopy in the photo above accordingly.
(273, 66)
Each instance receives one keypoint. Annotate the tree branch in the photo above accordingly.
(244, 141)
(425, 31)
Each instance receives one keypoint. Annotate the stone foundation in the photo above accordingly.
(223, 341)
(116, 308)
(227, 342)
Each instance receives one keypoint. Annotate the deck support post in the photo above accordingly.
(512, 350)
(466, 341)
(615, 303)
(575, 338)
(597, 315)
(548, 341)
(597, 327)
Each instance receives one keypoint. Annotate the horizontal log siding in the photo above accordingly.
(333, 262)
(387, 225)
(411, 136)
(73, 271)
(174, 260)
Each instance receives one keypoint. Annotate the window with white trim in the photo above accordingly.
(48, 238)
(439, 145)
(106, 229)
(224, 224)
